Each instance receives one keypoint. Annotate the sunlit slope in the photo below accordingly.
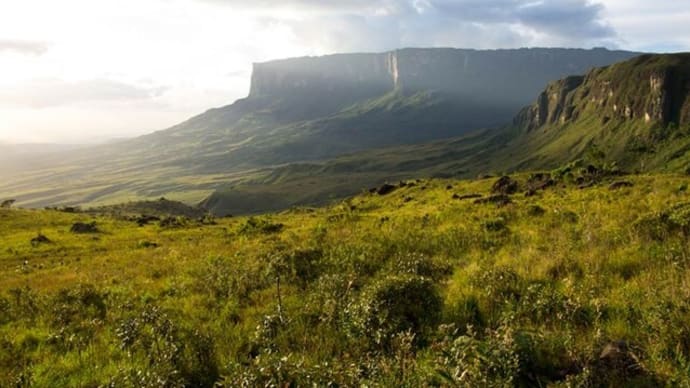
(434, 282)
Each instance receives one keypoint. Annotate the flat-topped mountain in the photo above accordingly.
(307, 110)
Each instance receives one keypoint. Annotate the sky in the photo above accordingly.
(76, 71)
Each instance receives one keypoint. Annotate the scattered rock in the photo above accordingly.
(505, 185)
(620, 184)
(591, 171)
(449, 187)
(499, 199)
(173, 222)
(540, 181)
(535, 211)
(81, 227)
(617, 358)
(145, 220)
(148, 244)
(466, 196)
(494, 225)
(385, 189)
(40, 239)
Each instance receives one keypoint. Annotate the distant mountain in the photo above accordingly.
(635, 114)
(319, 107)
(306, 110)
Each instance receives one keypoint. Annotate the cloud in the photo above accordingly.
(52, 92)
(25, 47)
(375, 25)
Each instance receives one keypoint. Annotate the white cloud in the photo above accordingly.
(42, 93)
(197, 54)
(25, 47)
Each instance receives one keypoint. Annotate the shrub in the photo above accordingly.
(397, 304)
(661, 225)
(535, 211)
(419, 264)
(495, 225)
(77, 315)
(305, 265)
(260, 225)
(471, 361)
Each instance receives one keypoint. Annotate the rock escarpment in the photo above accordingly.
(651, 90)
(505, 78)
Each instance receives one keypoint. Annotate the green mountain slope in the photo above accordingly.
(304, 110)
(635, 113)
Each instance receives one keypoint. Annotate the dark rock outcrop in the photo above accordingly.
(505, 185)
(82, 228)
(386, 189)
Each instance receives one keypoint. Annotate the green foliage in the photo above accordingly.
(660, 225)
(373, 291)
(259, 225)
(397, 304)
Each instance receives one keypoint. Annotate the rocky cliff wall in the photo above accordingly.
(499, 77)
(650, 89)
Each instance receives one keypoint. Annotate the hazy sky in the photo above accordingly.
(88, 70)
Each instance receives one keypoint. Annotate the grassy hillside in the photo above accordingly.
(581, 282)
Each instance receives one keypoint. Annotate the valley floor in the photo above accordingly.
(584, 281)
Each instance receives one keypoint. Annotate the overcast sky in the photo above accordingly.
(89, 70)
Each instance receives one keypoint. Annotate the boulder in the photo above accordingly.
(40, 239)
(466, 196)
(81, 227)
(386, 189)
(505, 185)
(620, 184)
(499, 199)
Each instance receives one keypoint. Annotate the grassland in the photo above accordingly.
(576, 284)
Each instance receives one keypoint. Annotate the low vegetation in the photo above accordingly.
(550, 279)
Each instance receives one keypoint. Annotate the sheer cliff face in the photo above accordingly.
(650, 90)
(497, 77)
(357, 74)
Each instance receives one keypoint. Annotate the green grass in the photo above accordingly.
(412, 288)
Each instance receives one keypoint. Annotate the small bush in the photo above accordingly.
(661, 225)
(535, 211)
(495, 225)
(260, 225)
(398, 304)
